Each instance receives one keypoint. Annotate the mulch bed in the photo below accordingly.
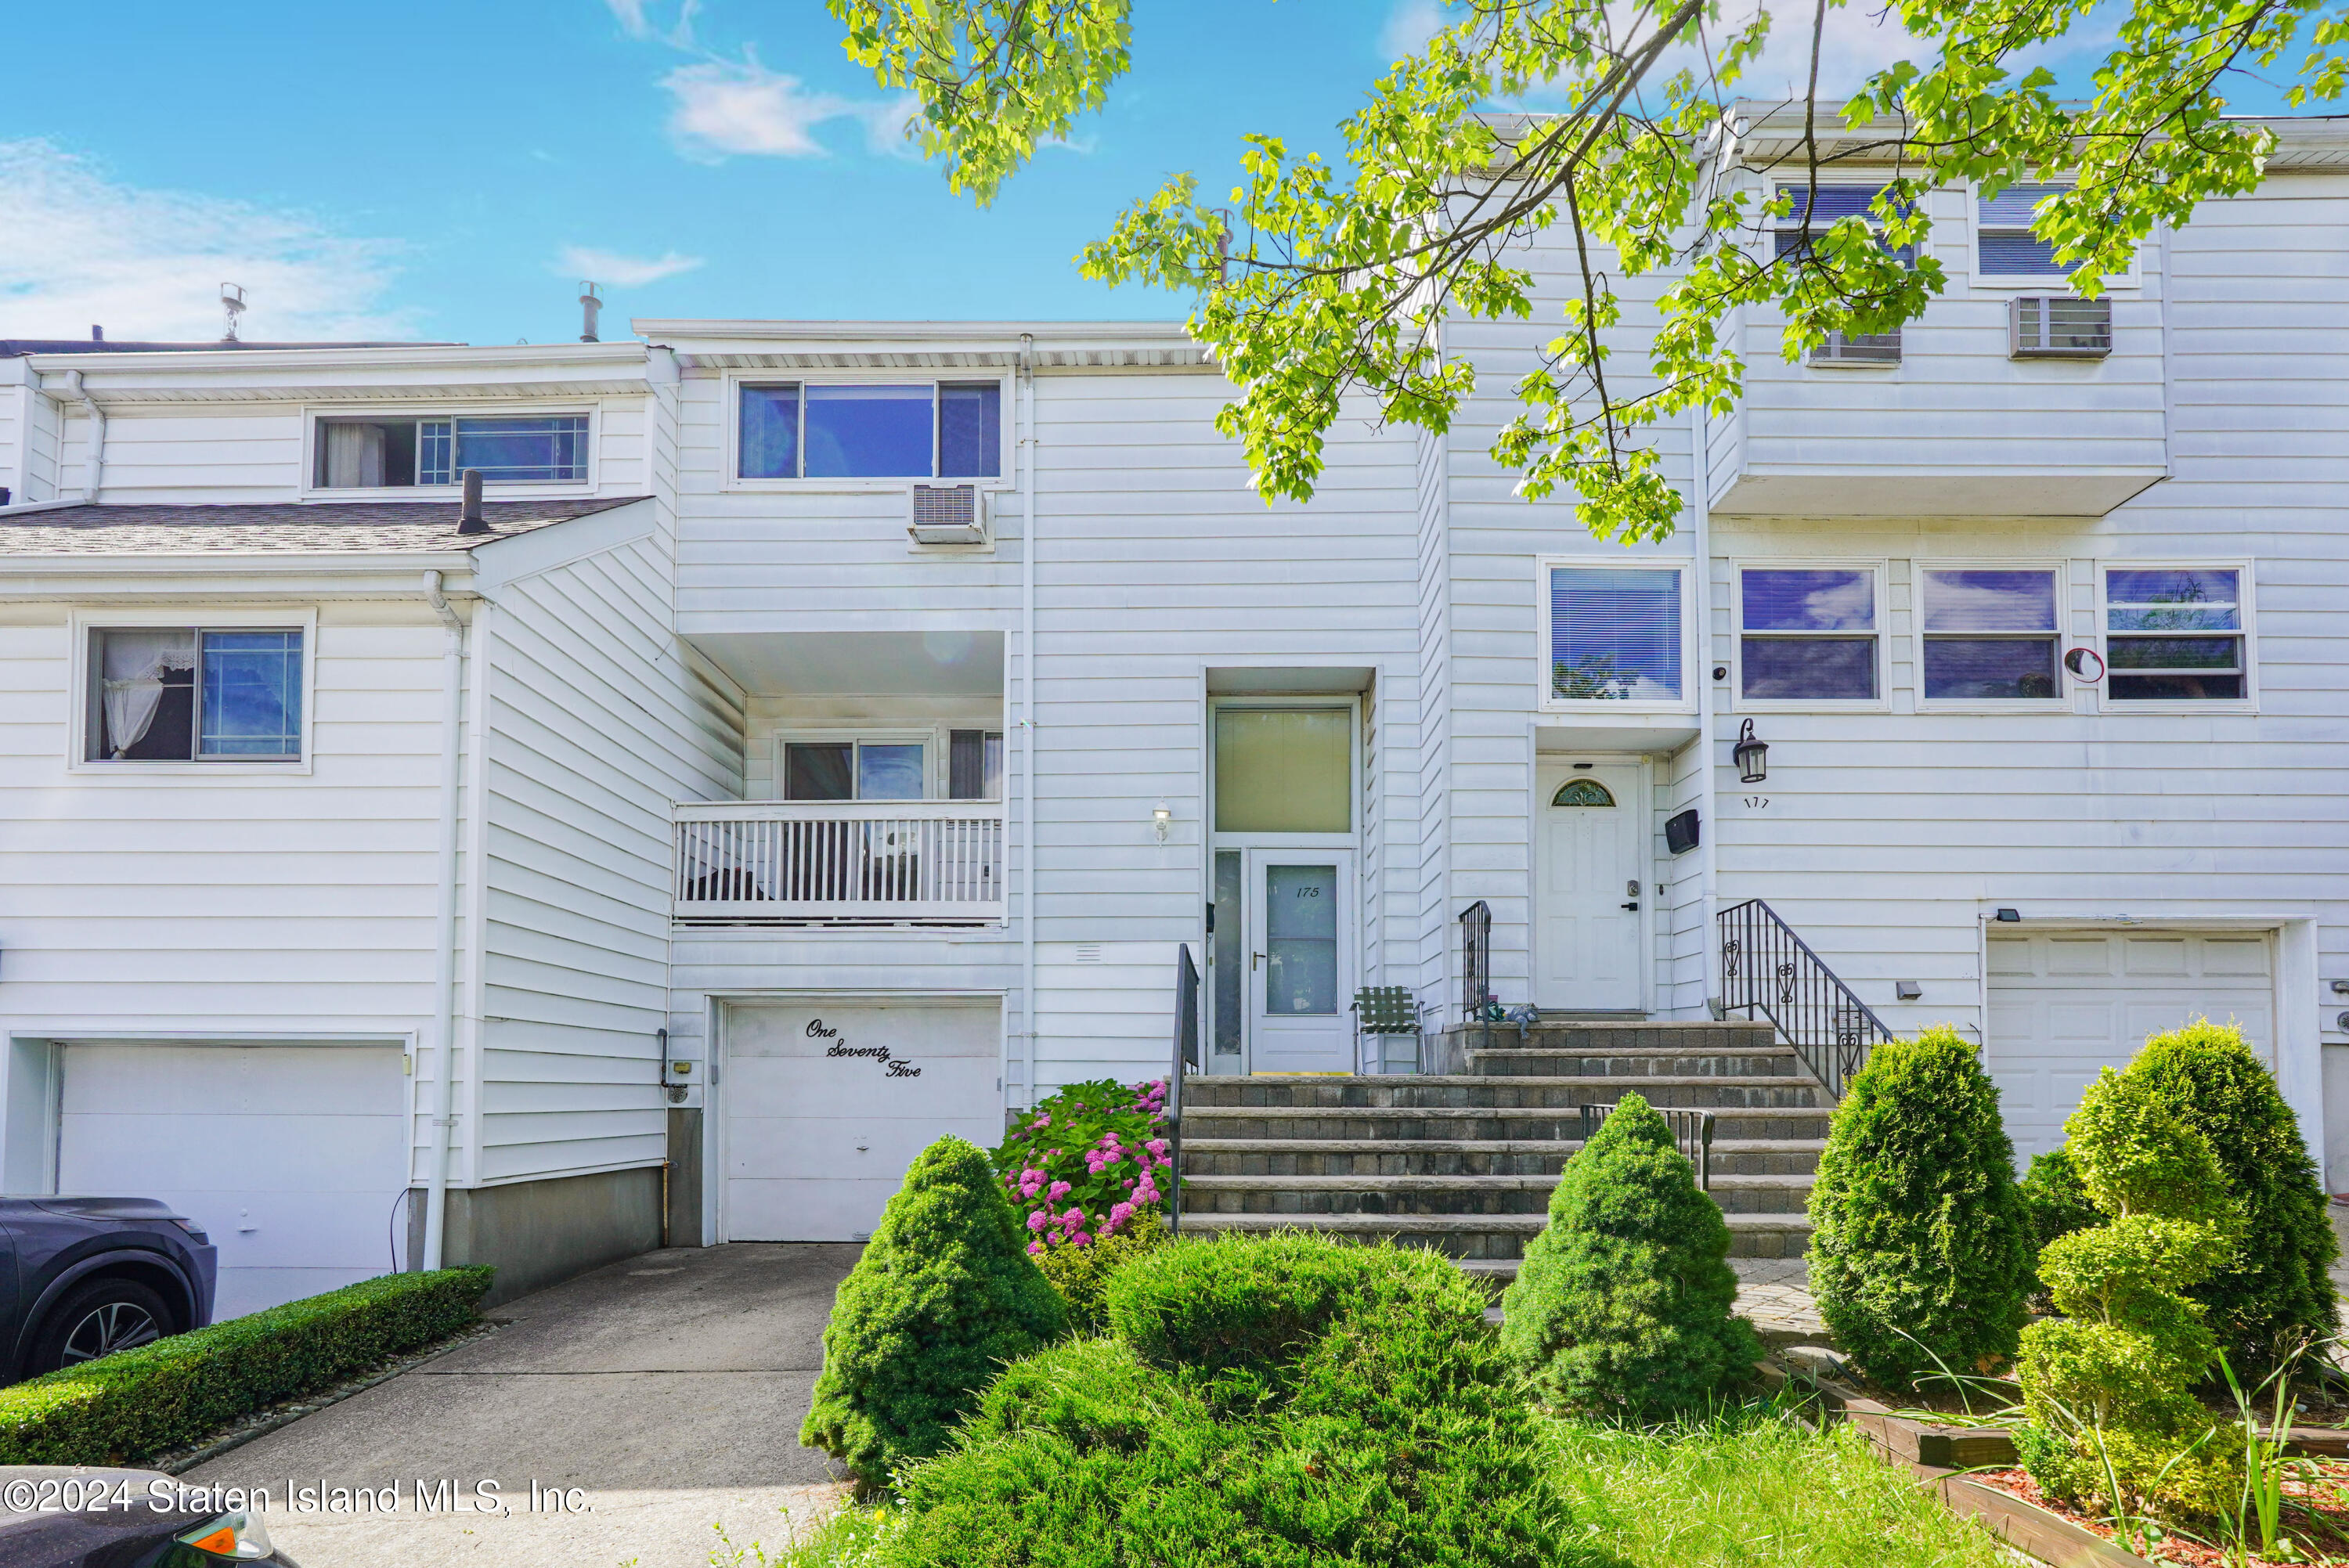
(2316, 1516)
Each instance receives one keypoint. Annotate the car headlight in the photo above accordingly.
(231, 1538)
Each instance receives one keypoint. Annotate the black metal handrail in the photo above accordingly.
(1765, 967)
(1186, 1057)
(1691, 1134)
(1475, 961)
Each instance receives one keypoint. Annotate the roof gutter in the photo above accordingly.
(444, 943)
(93, 458)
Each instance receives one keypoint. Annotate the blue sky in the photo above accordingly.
(449, 170)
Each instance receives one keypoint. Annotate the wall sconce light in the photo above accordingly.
(1162, 820)
(2008, 916)
(1753, 756)
(2341, 988)
(1907, 990)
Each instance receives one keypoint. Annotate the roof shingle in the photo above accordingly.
(333, 528)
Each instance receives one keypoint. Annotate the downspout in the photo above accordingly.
(93, 460)
(444, 943)
(1708, 824)
(1028, 706)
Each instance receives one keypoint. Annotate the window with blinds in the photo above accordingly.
(1616, 633)
(1807, 635)
(1991, 633)
(2174, 634)
(2004, 246)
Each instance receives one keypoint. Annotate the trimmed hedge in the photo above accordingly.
(182, 1389)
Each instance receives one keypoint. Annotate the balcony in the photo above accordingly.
(849, 863)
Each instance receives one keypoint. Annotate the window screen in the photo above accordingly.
(1989, 636)
(1806, 634)
(1615, 633)
(1284, 770)
(2175, 634)
(2005, 244)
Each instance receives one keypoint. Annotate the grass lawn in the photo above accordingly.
(1753, 1487)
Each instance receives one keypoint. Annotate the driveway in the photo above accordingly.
(668, 1390)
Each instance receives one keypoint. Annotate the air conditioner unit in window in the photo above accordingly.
(2058, 326)
(946, 514)
(1858, 348)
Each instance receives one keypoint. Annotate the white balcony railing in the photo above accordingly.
(861, 860)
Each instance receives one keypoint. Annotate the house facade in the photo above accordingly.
(835, 735)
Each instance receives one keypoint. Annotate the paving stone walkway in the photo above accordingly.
(1775, 1295)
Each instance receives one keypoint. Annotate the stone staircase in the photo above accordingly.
(1465, 1162)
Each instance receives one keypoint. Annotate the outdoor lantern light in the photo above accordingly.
(1753, 756)
(1162, 819)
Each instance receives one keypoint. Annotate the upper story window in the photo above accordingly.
(829, 430)
(399, 454)
(1990, 635)
(1616, 634)
(194, 694)
(1809, 213)
(854, 770)
(2004, 246)
(1807, 634)
(2176, 633)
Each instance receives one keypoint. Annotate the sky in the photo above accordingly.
(452, 169)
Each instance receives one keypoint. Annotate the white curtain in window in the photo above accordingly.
(132, 668)
(354, 457)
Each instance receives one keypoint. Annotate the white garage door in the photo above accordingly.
(291, 1157)
(826, 1103)
(2064, 1004)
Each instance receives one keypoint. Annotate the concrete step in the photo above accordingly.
(1561, 1033)
(1464, 1092)
(1488, 1237)
(1628, 1061)
(1482, 1124)
(1458, 1157)
(1313, 1196)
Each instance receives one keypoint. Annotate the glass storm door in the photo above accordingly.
(1591, 883)
(1299, 941)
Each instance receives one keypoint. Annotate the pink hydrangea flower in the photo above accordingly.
(1074, 1219)
(1035, 1249)
(1060, 1190)
(1078, 1239)
(1157, 1147)
(1039, 1220)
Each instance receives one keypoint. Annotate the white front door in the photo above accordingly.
(826, 1102)
(294, 1158)
(2063, 1005)
(1300, 937)
(1591, 887)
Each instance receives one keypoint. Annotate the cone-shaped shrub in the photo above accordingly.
(2107, 1387)
(1622, 1304)
(945, 1295)
(2277, 1287)
(1920, 1248)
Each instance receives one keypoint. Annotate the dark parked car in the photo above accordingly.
(59, 1516)
(85, 1277)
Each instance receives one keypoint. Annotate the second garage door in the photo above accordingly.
(827, 1103)
(292, 1158)
(2063, 1005)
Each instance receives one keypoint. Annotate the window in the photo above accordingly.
(2004, 246)
(1284, 770)
(973, 765)
(948, 430)
(852, 770)
(1615, 633)
(1990, 635)
(193, 695)
(398, 454)
(1807, 635)
(2174, 634)
(1582, 792)
(1805, 221)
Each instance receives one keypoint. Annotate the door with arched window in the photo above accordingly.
(1591, 887)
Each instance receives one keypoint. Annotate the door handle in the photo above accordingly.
(1631, 907)
(1254, 959)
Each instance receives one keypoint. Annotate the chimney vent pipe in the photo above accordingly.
(590, 304)
(469, 517)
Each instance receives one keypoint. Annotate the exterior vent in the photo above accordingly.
(946, 514)
(1858, 348)
(2058, 326)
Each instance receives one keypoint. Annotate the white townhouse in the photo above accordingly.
(834, 734)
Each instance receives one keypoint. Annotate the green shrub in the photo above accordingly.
(1920, 1252)
(1384, 1428)
(2054, 1198)
(2107, 1387)
(1622, 1304)
(1082, 1275)
(943, 1296)
(180, 1390)
(2277, 1288)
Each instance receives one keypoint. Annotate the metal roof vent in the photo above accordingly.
(946, 514)
(2058, 326)
(468, 511)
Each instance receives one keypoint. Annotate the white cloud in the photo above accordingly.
(621, 272)
(78, 248)
(1853, 43)
(726, 106)
(1410, 25)
(636, 19)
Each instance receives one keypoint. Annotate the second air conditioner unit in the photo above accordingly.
(1858, 349)
(946, 514)
(2058, 326)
